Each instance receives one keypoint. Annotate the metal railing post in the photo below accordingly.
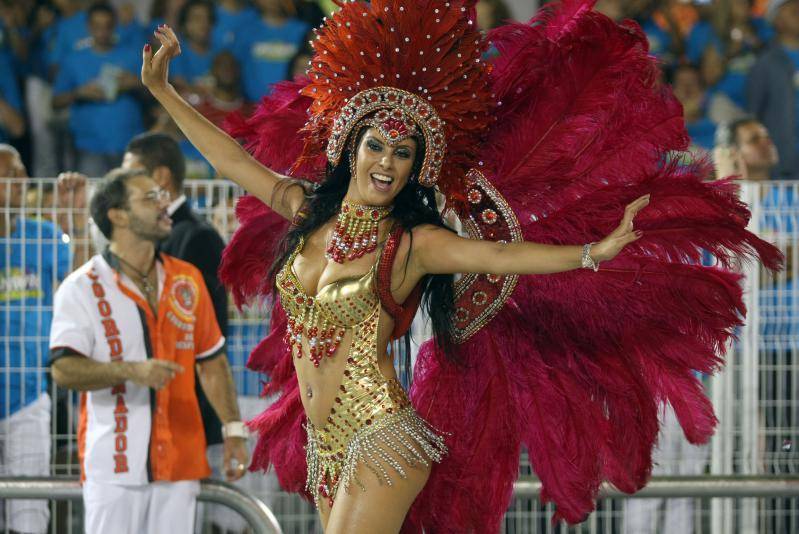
(259, 517)
(690, 486)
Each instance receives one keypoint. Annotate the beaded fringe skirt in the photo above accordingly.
(379, 446)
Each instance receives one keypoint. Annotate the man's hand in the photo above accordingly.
(128, 81)
(154, 373)
(236, 458)
(90, 91)
(72, 190)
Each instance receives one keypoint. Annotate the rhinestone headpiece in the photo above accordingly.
(402, 67)
(398, 115)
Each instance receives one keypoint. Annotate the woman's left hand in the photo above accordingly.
(624, 234)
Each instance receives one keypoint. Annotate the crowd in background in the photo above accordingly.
(70, 96)
(727, 60)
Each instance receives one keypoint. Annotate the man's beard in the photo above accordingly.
(145, 231)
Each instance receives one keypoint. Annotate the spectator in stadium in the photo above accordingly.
(129, 328)
(48, 148)
(14, 34)
(225, 95)
(71, 32)
(745, 149)
(34, 258)
(191, 70)
(771, 91)
(12, 122)
(726, 48)
(192, 239)
(231, 16)
(97, 83)
(666, 24)
(266, 45)
(686, 81)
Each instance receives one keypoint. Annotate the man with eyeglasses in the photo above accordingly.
(128, 329)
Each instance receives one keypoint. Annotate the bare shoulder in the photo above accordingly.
(427, 237)
(426, 232)
(414, 245)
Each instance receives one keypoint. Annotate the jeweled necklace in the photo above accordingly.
(144, 278)
(355, 233)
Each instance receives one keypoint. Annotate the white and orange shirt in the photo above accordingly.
(130, 434)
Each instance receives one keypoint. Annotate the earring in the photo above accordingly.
(353, 167)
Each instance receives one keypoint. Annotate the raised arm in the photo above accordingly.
(439, 251)
(221, 150)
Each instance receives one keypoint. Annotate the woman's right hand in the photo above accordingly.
(155, 67)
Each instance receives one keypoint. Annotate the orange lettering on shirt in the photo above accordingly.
(121, 442)
(98, 290)
(120, 407)
(122, 423)
(110, 327)
(115, 344)
(104, 307)
(120, 463)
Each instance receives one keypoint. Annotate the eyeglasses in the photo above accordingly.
(154, 196)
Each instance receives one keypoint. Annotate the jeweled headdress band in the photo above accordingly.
(399, 115)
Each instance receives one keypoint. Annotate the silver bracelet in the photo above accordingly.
(586, 261)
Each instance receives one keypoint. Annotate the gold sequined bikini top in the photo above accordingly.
(323, 318)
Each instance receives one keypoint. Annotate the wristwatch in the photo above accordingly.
(586, 260)
(234, 429)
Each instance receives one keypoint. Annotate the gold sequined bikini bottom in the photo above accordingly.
(385, 437)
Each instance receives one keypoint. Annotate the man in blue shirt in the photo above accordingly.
(97, 82)
(34, 257)
(231, 16)
(12, 123)
(266, 46)
(191, 70)
(773, 86)
(687, 84)
(70, 33)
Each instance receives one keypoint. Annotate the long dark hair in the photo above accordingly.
(413, 205)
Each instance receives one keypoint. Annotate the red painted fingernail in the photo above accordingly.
(147, 47)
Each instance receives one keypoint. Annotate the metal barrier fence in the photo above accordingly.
(257, 515)
(756, 397)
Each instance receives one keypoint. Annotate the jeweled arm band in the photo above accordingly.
(586, 261)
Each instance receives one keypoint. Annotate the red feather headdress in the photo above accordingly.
(421, 62)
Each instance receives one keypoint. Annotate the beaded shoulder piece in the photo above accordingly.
(479, 297)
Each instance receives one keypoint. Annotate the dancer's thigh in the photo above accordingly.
(380, 508)
(324, 513)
